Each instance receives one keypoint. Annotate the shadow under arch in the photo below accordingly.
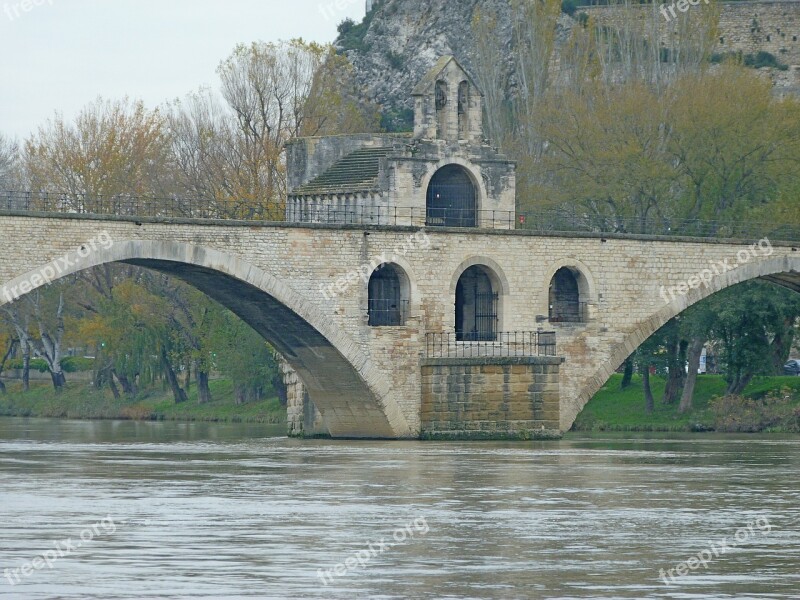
(783, 271)
(353, 396)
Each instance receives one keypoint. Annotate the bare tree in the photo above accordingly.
(9, 167)
(20, 324)
(49, 345)
(111, 154)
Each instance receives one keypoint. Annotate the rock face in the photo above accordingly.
(405, 38)
(400, 40)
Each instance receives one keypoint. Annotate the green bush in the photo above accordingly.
(345, 27)
(763, 59)
(397, 120)
(395, 59)
(351, 35)
(774, 412)
(754, 61)
(75, 364)
(37, 364)
(569, 6)
(70, 364)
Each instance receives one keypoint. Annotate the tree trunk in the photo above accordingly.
(172, 379)
(240, 393)
(11, 346)
(676, 359)
(113, 386)
(128, 388)
(203, 391)
(628, 376)
(737, 386)
(649, 401)
(59, 381)
(26, 366)
(695, 354)
(49, 347)
(187, 382)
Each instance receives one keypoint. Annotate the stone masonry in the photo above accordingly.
(748, 27)
(367, 381)
(480, 398)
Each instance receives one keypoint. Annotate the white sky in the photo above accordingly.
(63, 54)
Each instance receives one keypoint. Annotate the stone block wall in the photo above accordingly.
(490, 398)
(749, 27)
(362, 378)
(302, 417)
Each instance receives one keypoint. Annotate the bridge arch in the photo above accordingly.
(353, 396)
(781, 270)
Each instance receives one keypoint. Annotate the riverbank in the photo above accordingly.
(81, 401)
(769, 404)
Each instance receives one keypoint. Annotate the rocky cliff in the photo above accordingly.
(400, 40)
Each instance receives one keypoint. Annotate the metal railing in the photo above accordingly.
(570, 220)
(402, 216)
(505, 344)
(387, 313)
(574, 220)
(568, 312)
(141, 206)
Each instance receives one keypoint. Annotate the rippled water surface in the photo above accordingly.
(215, 511)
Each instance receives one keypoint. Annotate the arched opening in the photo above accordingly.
(388, 297)
(452, 199)
(566, 305)
(784, 271)
(463, 110)
(476, 306)
(337, 375)
(441, 104)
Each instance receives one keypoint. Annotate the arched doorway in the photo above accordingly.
(452, 199)
(565, 297)
(387, 301)
(476, 306)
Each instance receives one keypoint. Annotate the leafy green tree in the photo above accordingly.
(245, 358)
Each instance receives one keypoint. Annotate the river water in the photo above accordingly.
(171, 510)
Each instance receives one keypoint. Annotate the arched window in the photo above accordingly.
(476, 306)
(463, 110)
(388, 303)
(452, 199)
(441, 104)
(565, 297)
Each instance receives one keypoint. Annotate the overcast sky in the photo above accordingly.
(62, 54)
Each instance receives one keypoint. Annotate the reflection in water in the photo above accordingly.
(226, 511)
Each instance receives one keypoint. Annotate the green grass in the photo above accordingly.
(613, 409)
(80, 401)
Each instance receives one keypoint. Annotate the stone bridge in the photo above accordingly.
(398, 332)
